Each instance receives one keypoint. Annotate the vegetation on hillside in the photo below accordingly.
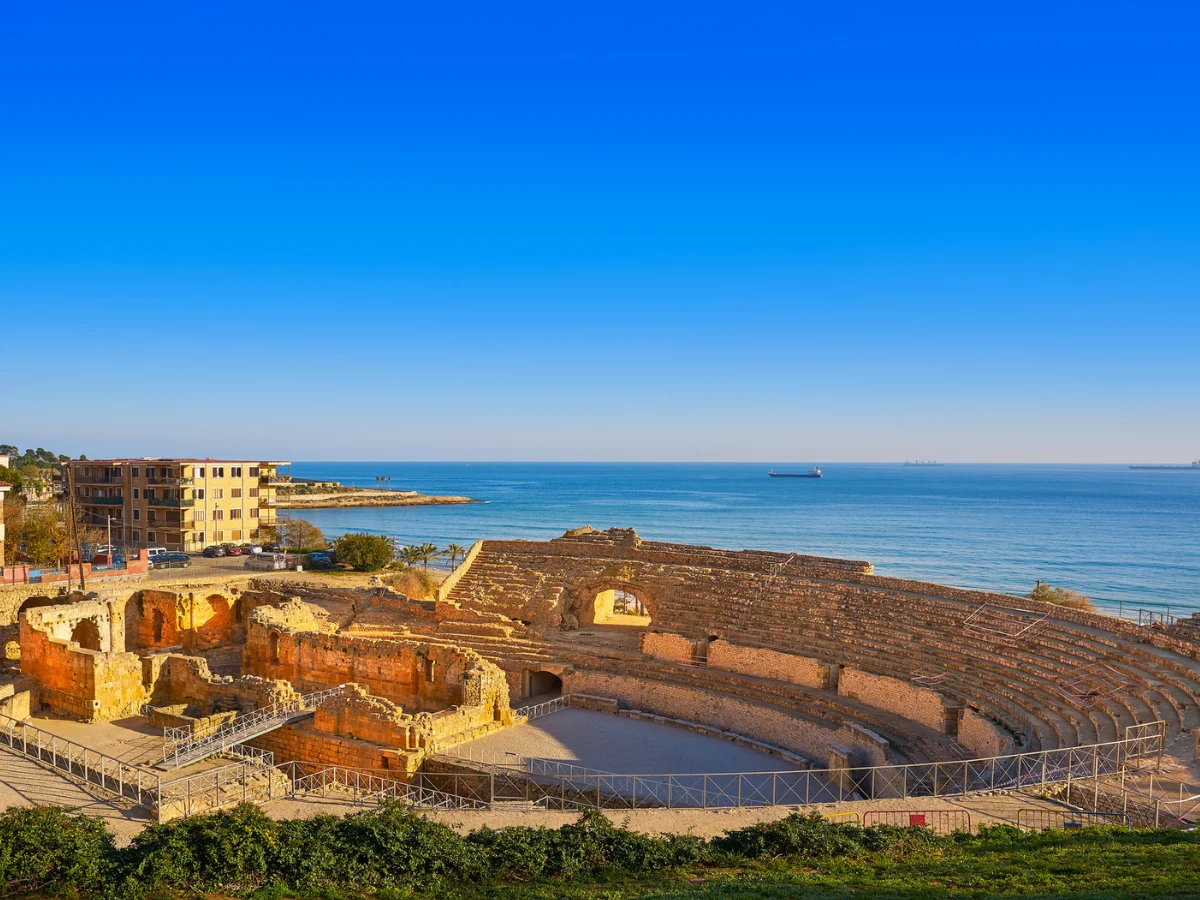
(1060, 597)
(391, 852)
(364, 552)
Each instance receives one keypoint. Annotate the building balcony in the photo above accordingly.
(170, 479)
(103, 501)
(169, 501)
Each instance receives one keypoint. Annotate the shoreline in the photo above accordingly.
(360, 497)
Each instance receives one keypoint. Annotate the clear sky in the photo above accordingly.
(574, 230)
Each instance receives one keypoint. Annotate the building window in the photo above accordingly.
(235, 472)
(200, 537)
(150, 494)
(199, 515)
(137, 515)
(235, 535)
(254, 512)
(136, 472)
(151, 515)
(218, 514)
(218, 471)
(235, 493)
(137, 492)
(200, 472)
(235, 514)
(254, 471)
(137, 535)
(218, 536)
(149, 471)
(253, 492)
(199, 494)
(218, 493)
(150, 535)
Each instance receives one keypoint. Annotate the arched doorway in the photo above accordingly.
(621, 606)
(87, 634)
(544, 683)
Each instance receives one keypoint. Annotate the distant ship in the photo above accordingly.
(924, 462)
(814, 472)
(1192, 466)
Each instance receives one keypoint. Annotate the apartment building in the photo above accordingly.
(180, 504)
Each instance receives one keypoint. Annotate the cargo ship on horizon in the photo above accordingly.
(1191, 467)
(814, 472)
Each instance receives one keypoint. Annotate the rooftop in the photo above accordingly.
(170, 460)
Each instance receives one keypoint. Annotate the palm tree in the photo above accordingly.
(455, 551)
(428, 551)
(411, 555)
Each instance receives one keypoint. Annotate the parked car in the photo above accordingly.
(266, 561)
(170, 559)
(233, 551)
(213, 552)
(251, 549)
(320, 560)
(272, 548)
(155, 551)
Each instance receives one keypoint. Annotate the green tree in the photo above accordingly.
(454, 551)
(364, 552)
(428, 552)
(301, 535)
(411, 555)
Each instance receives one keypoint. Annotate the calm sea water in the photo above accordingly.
(1118, 535)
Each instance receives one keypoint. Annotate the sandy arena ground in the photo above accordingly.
(610, 743)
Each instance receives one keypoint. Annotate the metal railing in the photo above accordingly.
(110, 775)
(556, 786)
(538, 710)
(942, 821)
(182, 747)
(1062, 819)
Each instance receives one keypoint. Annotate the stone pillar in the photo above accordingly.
(839, 768)
(952, 713)
(116, 625)
(830, 672)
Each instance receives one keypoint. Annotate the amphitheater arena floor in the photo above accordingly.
(611, 743)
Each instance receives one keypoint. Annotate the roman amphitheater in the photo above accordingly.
(598, 669)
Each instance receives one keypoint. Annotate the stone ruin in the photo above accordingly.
(814, 659)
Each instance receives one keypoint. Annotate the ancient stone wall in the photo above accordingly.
(673, 647)
(981, 737)
(762, 663)
(895, 696)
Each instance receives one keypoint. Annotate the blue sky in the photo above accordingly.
(601, 231)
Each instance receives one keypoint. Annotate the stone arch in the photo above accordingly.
(217, 627)
(86, 634)
(40, 601)
(617, 603)
(542, 682)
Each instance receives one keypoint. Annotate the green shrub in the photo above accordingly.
(802, 836)
(363, 552)
(1060, 597)
(49, 851)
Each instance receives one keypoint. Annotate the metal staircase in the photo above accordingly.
(181, 747)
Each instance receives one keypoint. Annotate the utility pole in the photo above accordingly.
(74, 530)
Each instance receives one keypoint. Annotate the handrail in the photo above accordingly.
(268, 718)
(112, 775)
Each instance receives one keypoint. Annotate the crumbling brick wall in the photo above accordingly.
(672, 647)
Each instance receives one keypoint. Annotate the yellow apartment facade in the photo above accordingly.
(180, 504)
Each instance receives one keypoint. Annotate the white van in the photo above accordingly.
(155, 551)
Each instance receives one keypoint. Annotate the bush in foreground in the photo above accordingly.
(392, 852)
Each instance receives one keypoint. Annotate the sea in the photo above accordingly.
(1128, 539)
